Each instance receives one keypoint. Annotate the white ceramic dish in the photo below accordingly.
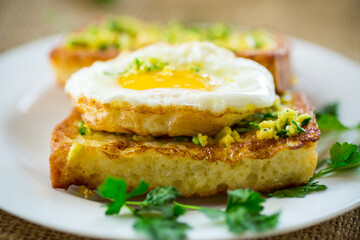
(31, 105)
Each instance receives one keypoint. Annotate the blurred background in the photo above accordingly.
(330, 23)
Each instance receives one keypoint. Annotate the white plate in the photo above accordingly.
(31, 105)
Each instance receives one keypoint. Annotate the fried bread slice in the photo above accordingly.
(156, 121)
(263, 165)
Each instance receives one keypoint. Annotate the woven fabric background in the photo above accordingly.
(331, 23)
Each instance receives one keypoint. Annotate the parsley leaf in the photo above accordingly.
(299, 191)
(157, 203)
(327, 118)
(212, 213)
(246, 198)
(157, 215)
(140, 190)
(161, 228)
(343, 156)
(239, 220)
(331, 109)
(167, 211)
(327, 122)
(157, 219)
(115, 190)
(243, 212)
(161, 196)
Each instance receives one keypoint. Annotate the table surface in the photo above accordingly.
(333, 24)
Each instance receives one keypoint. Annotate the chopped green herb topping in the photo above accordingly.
(298, 128)
(305, 122)
(84, 129)
(287, 124)
(195, 140)
(145, 65)
(194, 68)
(125, 33)
(180, 138)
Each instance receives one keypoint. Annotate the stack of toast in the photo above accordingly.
(92, 142)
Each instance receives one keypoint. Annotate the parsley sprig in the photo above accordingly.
(299, 191)
(342, 156)
(327, 118)
(157, 215)
(242, 213)
(115, 190)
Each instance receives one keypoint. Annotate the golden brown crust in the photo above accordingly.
(155, 121)
(250, 147)
(67, 61)
(123, 157)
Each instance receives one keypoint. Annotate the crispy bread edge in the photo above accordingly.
(64, 133)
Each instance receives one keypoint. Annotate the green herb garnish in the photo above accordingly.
(156, 216)
(306, 121)
(161, 228)
(327, 122)
(242, 213)
(300, 191)
(254, 125)
(194, 68)
(327, 118)
(145, 65)
(195, 140)
(161, 196)
(298, 128)
(342, 156)
(180, 138)
(115, 190)
(84, 129)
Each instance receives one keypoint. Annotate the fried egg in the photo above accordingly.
(196, 74)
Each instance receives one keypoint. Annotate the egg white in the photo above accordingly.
(250, 84)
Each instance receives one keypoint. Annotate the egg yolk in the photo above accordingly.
(164, 79)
